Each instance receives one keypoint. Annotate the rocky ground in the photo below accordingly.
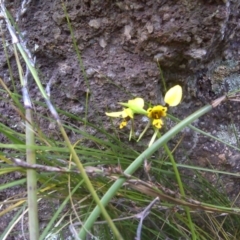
(122, 44)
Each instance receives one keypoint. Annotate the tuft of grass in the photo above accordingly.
(188, 208)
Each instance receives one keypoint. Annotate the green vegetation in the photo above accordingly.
(100, 185)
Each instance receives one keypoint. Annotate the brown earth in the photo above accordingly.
(121, 43)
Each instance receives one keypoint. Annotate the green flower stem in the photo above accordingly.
(132, 130)
(191, 225)
(137, 163)
(156, 133)
(143, 132)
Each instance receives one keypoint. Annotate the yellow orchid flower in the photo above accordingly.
(172, 98)
(155, 114)
(135, 106)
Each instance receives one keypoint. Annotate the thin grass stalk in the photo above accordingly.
(60, 208)
(17, 105)
(31, 179)
(179, 181)
(138, 163)
(7, 59)
(162, 78)
(30, 155)
(80, 61)
(14, 221)
(33, 71)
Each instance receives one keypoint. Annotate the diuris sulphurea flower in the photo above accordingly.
(155, 114)
(172, 98)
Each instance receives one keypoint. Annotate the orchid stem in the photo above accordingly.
(143, 132)
(156, 132)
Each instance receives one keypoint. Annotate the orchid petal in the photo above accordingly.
(138, 102)
(122, 114)
(173, 96)
(128, 112)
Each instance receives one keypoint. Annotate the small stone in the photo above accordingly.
(52, 126)
(196, 53)
(182, 66)
(159, 57)
(127, 32)
(95, 23)
(145, 119)
(166, 16)
(56, 32)
(222, 157)
(102, 42)
(90, 72)
(149, 27)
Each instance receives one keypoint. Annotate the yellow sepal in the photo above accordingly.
(173, 96)
(122, 114)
